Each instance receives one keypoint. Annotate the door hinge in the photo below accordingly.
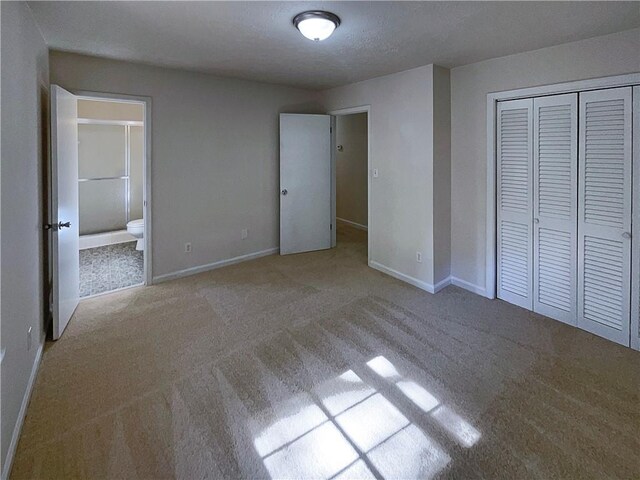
(330, 129)
(331, 226)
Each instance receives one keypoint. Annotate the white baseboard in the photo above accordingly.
(212, 266)
(441, 284)
(13, 445)
(427, 287)
(469, 286)
(359, 226)
(106, 238)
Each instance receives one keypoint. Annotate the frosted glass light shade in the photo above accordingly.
(316, 25)
(316, 29)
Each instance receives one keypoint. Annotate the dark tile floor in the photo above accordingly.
(103, 269)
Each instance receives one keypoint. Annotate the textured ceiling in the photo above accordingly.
(256, 40)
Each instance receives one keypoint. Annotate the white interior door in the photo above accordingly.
(305, 183)
(604, 215)
(515, 202)
(64, 207)
(555, 205)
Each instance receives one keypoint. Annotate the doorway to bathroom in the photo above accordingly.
(111, 194)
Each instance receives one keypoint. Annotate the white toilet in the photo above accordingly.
(136, 228)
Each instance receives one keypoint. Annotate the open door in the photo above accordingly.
(305, 183)
(64, 208)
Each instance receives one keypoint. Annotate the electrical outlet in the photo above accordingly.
(245, 233)
(29, 339)
(419, 257)
(375, 173)
(187, 247)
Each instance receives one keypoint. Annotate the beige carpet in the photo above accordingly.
(316, 366)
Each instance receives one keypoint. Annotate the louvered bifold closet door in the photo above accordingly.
(555, 211)
(515, 199)
(604, 213)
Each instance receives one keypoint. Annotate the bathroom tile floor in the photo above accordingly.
(103, 269)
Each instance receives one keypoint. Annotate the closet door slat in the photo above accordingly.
(555, 209)
(604, 213)
(515, 202)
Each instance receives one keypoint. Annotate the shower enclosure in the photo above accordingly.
(110, 175)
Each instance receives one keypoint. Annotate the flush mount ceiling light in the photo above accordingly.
(316, 25)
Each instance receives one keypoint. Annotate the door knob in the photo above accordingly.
(536, 220)
(626, 235)
(284, 191)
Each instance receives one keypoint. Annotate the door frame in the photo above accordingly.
(635, 220)
(492, 106)
(147, 196)
(626, 80)
(350, 111)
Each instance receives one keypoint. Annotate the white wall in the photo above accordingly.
(597, 57)
(103, 110)
(441, 174)
(214, 154)
(351, 168)
(402, 149)
(24, 152)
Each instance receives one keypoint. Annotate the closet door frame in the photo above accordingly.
(635, 239)
(631, 79)
(489, 288)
